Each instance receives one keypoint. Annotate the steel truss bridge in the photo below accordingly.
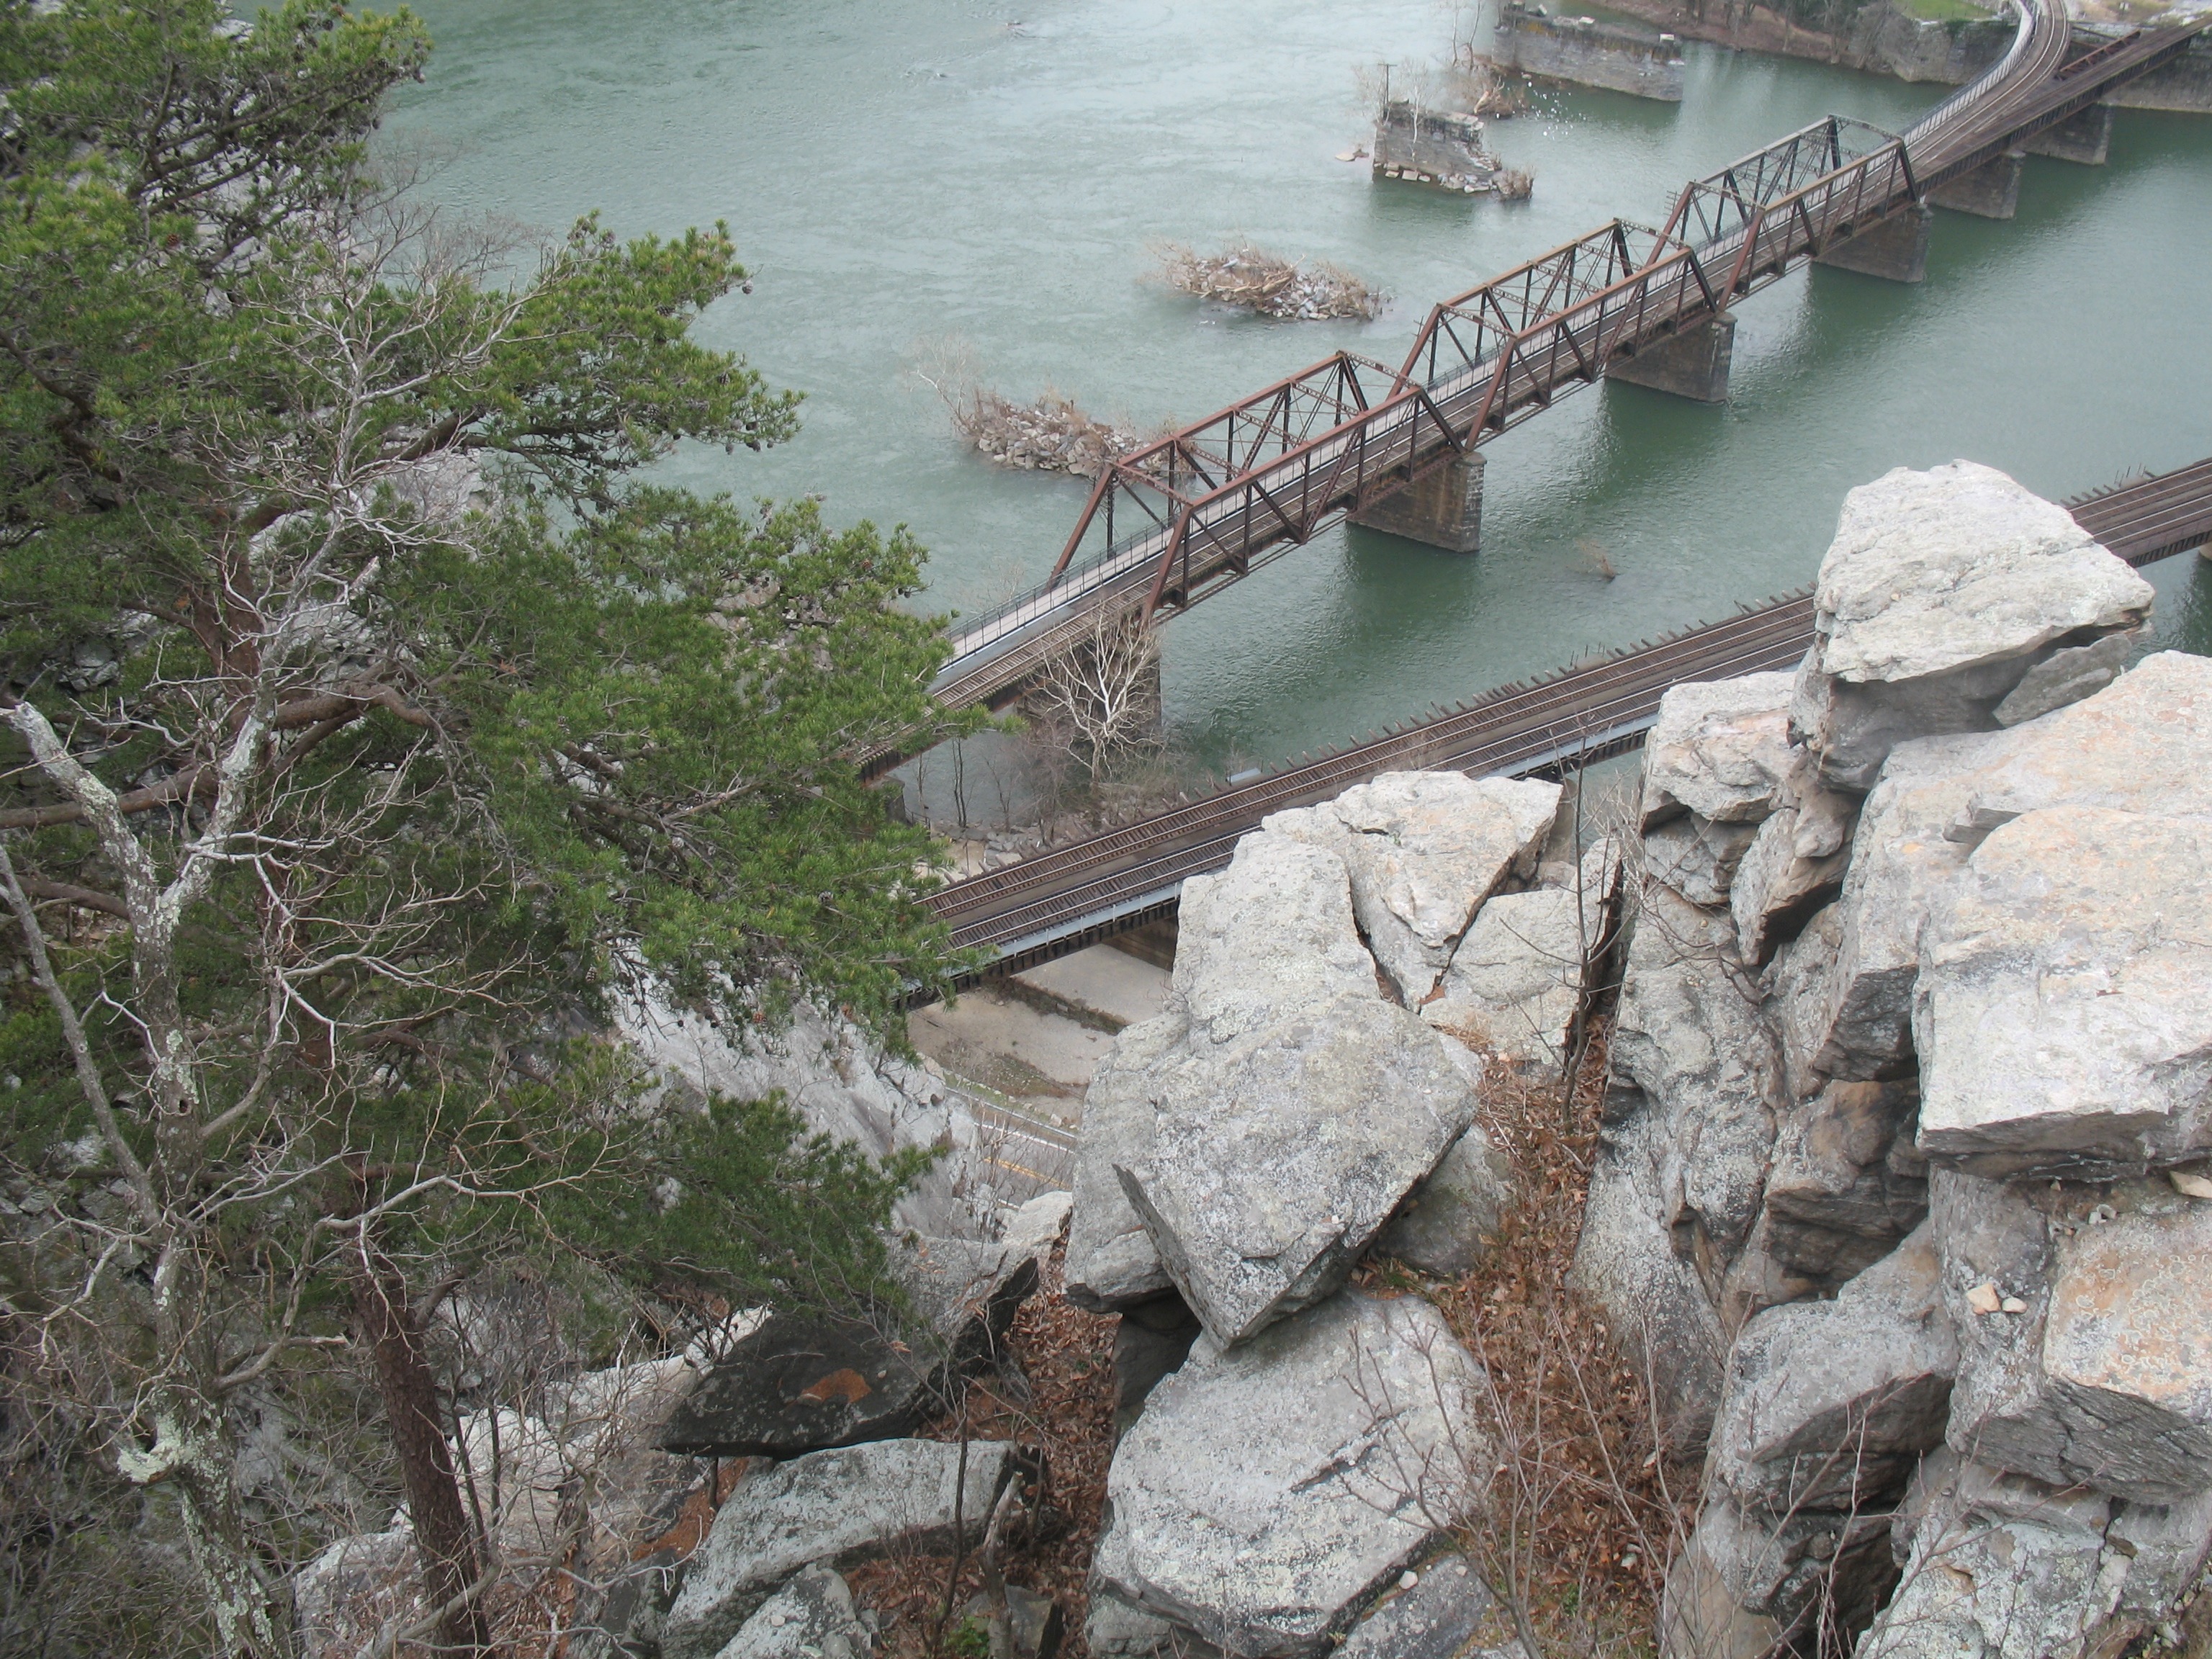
(1061, 900)
(1184, 517)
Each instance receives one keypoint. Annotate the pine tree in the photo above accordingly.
(379, 729)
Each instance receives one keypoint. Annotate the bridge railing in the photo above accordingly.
(1722, 206)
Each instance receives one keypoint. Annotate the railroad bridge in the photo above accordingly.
(1398, 448)
(1061, 900)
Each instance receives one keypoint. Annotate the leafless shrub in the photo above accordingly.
(1255, 279)
(1097, 706)
(1049, 435)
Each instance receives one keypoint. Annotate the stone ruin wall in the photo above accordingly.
(1587, 53)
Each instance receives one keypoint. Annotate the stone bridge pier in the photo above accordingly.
(1441, 509)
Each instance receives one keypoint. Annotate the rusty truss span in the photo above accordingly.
(1062, 899)
(1170, 524)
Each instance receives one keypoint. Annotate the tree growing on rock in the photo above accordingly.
(377, 732)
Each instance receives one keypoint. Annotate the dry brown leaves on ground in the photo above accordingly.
(1582, 1516)
(1066, 1357)
(1257, 281)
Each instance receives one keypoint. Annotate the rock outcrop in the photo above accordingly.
(1982, 1038)
(830, 1508)
(1272, 1543)
(1941, 591)
(1275, 1162)
(1424, 850)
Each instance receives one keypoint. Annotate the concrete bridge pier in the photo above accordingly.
(1895, 250)
(1991, 190)
(1692, 364)
(1443, 508)
(2086, 138)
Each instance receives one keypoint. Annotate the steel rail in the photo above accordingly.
(1046, 905)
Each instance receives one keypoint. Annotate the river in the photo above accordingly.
(928, 175)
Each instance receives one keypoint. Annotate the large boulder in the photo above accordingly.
(1111, 1261)
(1272, 1543)
(1852, 1013)
(593, 1430)
(1746, 1584)
(1271, 934)
(835, 1508)
(1690, 1038)
(1449, 1222)
(1274, 1163)
(1999, 1569)
(2084, 1316)
(806, 1380)
(1794, 865)
(1515, 984)
(812, 1614)
(1940, 592)
(1830, 1405)
(1697, 857)
(1720, 749)
(1424, 849)
(2062, 1015)
(2143, 744)
(1435, 1617)
(1847, 1182)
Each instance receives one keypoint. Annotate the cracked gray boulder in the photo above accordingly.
(812, 1614)
(1940, 593)
(1998, 1564)
(2098, 1379)
(1274, 1162)
(1265, 1543)
(1626, 1264)
(1720, 749)
(837, 1508)
(2025, 1579)
(1794, 865)
(1447, 1225)
(1696, 857)
(1831, 1405)
(1513, 988)
(2142, 744)
(2061, 1013)
(1111, 1262)
(1272, 933)
(1849, 1012)
(1847, 1182)
(1424, 850)
(1746, 1582)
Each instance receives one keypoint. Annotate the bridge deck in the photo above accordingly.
(1063, 899)
(1218, 499)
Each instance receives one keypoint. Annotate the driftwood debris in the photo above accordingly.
(1247, 277)
(1049, 435)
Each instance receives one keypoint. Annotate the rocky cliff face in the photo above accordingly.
(1902, 1194)
(1912, 1094)
(1310, 1097)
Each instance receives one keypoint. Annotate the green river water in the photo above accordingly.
(933, 174)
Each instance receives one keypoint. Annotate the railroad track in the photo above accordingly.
(1063, 899)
